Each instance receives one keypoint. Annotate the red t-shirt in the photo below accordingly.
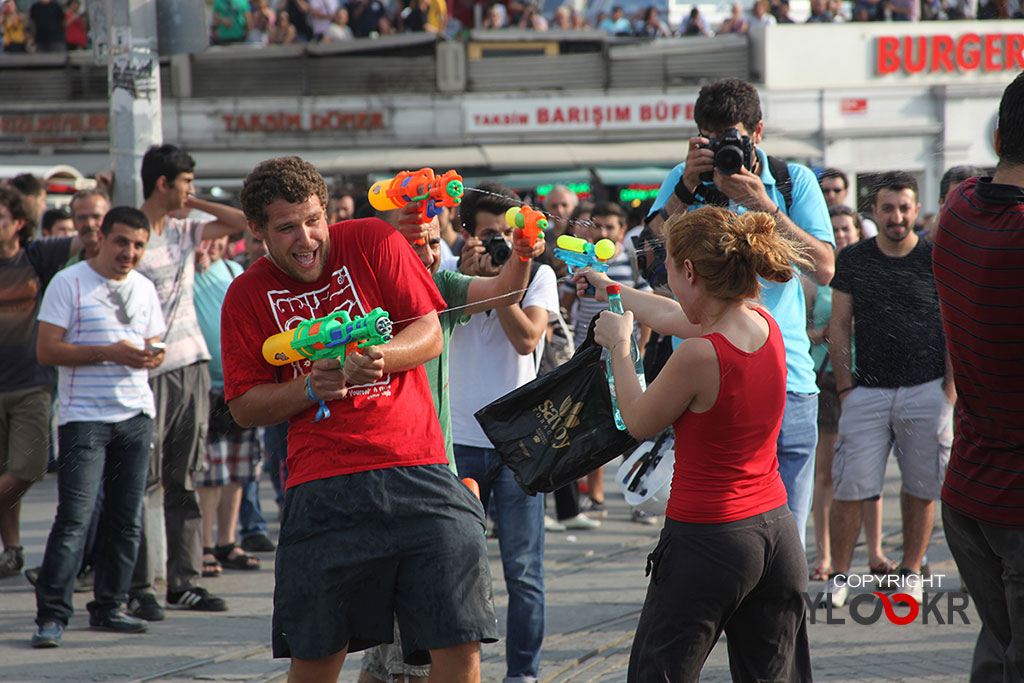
(726, 464)
(390, 423)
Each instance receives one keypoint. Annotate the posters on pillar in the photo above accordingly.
(583, 114)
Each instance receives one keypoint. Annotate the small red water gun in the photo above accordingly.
(531, 221)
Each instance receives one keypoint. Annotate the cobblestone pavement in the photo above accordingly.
(595, 588)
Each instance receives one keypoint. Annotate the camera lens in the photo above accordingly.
(498, 248)
(729, 159)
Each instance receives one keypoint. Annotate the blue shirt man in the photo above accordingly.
(728, 104)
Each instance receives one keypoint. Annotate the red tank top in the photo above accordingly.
(726, 466)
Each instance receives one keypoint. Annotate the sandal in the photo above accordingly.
(820, 572)
(211, 567)
(886, 568)
(233, 557)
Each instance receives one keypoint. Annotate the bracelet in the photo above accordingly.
(775, 215)
(843, 391)
(321, 412)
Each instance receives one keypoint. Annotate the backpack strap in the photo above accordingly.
(780, 171)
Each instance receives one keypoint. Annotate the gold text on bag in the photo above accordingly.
(556, 422)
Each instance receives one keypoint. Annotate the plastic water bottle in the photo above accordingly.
(615, 306)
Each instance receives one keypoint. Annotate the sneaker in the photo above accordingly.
(48, 634)
(145, 606)
(196, 598)
(580, 522)
(835, 593)
(117, 621)
(643, 517)
(593, 509)
(258, 543)
(11, 561)
(910, 583)
(552, 525)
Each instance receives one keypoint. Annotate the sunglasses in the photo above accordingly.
(836, 190)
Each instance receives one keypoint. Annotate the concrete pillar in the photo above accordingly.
(134, 92)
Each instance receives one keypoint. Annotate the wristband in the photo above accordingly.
(775, 216)
(843, 391)
(684, 193)
(321, 412)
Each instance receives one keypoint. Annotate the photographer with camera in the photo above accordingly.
(724, 167)
(492, 354)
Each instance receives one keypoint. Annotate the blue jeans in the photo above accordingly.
(114, 456)
(520, 521)
(251, 521)
(797, 440)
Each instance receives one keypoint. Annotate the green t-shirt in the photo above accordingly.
(454, 288)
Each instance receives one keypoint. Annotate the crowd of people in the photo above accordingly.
(860, 333)
(60, 25)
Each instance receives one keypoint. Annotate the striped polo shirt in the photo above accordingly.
(978, 263)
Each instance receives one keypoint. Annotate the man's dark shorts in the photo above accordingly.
(828, 403)
(358, 549)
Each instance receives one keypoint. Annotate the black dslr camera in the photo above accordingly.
(732, 152)
(499, 249)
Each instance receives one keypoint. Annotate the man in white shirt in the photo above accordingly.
(492, 354)
(98, 321)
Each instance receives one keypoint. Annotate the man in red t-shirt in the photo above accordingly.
(375, 523)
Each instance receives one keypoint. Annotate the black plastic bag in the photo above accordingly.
(560, 426)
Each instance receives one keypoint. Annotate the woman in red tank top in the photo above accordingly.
(729, 558)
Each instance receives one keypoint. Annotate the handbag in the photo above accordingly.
(560, 426)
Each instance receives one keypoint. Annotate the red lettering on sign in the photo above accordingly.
(623, 113)
(1014, 52)
(967, 58)
(888, 59)
(542, 114)
(911, 64)
(942, 49)
(993, 49)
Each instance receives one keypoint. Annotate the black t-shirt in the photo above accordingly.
(365, 23)
(49, 22)
(897, 329)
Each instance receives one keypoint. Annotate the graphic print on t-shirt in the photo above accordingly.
(290, 309)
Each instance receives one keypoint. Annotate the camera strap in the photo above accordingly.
(783, 182)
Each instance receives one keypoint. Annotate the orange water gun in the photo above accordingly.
(531, 221)
(435, 191)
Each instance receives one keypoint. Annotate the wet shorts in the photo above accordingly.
(358, 550)
(915, 422)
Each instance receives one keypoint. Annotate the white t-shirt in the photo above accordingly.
(96, 311)
(483, 365)
(170, 263)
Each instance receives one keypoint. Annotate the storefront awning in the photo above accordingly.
(476, 160)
